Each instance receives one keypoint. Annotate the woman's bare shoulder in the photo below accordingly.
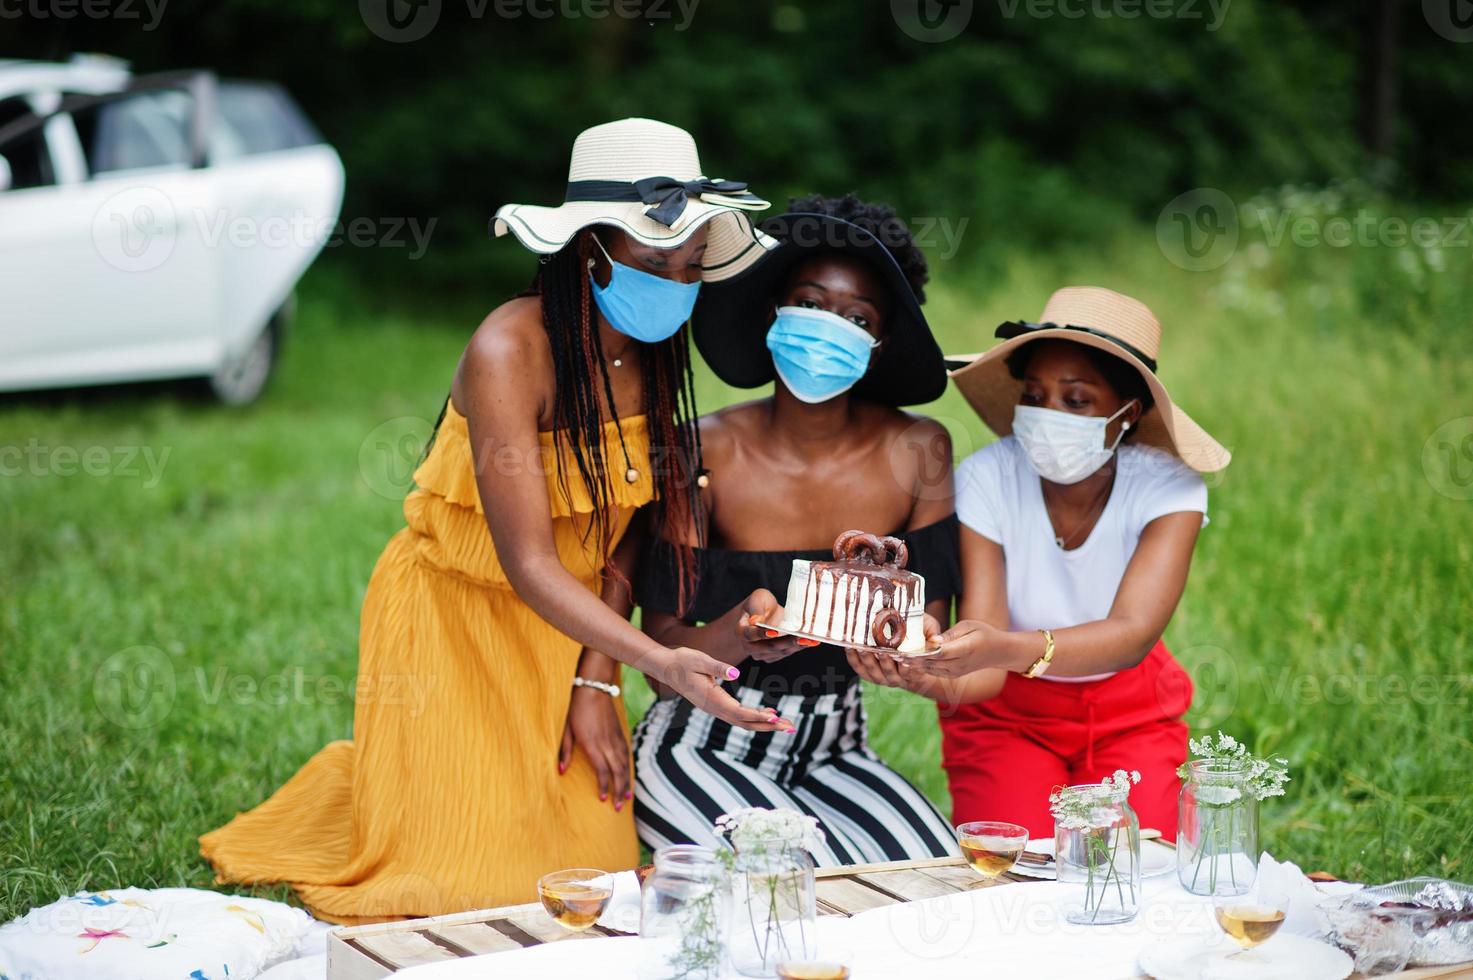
(911, 428)
(510, 343)
(723, 430)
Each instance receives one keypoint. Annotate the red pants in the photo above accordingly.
(1004, 756)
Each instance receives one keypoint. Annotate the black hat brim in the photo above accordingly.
(731, 318)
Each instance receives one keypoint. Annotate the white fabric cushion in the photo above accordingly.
(306, 968)
(133, 933)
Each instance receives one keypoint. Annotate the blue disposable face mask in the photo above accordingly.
(642, 305)
(818, 355)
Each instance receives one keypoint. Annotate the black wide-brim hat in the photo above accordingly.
(731, 317)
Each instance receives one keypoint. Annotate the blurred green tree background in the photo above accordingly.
(1043, 122)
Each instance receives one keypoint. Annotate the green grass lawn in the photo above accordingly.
(179, 609)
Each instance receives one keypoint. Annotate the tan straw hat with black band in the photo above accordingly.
(644, 177)
(1108, 321)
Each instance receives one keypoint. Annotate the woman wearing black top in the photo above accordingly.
(834, 313)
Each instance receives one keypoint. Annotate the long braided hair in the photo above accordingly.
(570, 317)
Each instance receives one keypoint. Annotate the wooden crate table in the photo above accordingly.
(375, 951)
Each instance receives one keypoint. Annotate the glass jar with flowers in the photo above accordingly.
(775, 903)
(1097, 845)
(684, 914)
(1217, 814)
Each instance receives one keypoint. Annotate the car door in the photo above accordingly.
(280, 188)
(32, 246)
(109, 270)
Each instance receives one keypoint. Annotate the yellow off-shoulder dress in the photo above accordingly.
(448, 797)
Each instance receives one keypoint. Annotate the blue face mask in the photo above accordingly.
(818, 355)
(642, 305)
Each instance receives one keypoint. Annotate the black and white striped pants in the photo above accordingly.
(691, 767)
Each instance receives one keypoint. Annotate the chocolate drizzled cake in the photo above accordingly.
(864, 597)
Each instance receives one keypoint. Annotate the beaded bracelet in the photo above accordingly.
(612, 690)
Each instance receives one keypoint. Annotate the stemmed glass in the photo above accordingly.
(1252, 919)
(575, 898)
(991, 847)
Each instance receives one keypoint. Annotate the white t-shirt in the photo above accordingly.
(999, 496)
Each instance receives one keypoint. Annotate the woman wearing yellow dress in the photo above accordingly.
(570, 409)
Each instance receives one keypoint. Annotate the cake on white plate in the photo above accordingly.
(864, 597)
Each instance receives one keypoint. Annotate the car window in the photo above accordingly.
(256, 118)
(147, 129)
(26, 156)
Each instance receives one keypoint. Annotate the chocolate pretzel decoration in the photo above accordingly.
(888, 628)
(863, 546)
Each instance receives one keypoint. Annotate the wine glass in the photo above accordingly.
(991, 847)
(1251, 920)
(575, 898)
(831, 962)
(813, 970)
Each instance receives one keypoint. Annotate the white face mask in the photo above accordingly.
(1061, 446)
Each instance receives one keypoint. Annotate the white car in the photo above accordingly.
(153, 226)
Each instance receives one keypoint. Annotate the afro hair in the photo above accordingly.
(879, 220)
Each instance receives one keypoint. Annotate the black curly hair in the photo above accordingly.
(879, 220)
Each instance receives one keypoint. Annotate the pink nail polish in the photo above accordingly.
(732, 673)
(629, 795)
(603, 796)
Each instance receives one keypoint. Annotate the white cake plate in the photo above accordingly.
(925, 652)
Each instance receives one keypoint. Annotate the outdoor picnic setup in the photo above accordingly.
(1119, 902)
(933, 918)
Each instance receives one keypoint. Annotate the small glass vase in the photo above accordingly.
(1102, 855)
(1217, 830)
(684, 915)
(775, 907)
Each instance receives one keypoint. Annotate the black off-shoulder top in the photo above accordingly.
(727, 577)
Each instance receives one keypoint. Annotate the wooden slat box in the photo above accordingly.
(372, 952)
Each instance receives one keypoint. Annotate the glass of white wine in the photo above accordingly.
(813, 970)
(991, 847)
(575, 898)
(1252, 919)
(831, 962)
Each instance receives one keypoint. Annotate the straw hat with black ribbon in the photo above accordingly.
(644, 177)
(1107, 321)
(731, 320)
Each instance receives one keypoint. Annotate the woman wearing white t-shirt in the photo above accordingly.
(1078, 527)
